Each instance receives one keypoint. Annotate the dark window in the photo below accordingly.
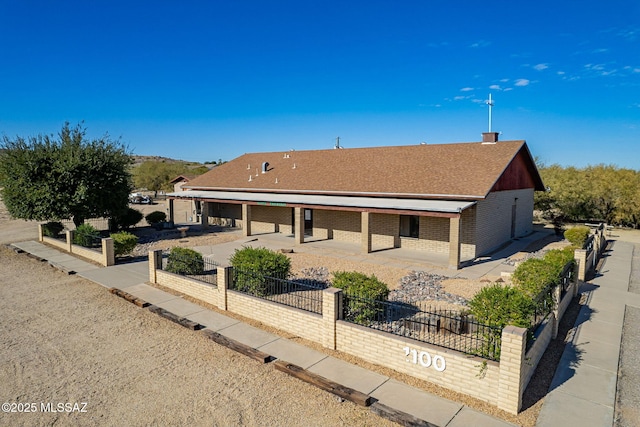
(409, 226)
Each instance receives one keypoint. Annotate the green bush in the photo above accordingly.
(533, 276)
(578, 235)
(500, 306)
(52, 228)
(185, 261)
(86, 235)
(256, 268)
(362, 309)
(123, 242)
(155, 217)
(127, 220)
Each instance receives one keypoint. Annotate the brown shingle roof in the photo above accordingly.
(462, 170)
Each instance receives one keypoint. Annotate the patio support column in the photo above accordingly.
(365, 235)
(246, 218)
(298, 225)
(171, 211)
(454, 243)
(204, 215)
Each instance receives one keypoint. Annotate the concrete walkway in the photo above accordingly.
(428, 409)
(583, 391)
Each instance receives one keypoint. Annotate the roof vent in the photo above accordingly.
(265, 167)
(294, 166)
(248, 166)
(250, 178)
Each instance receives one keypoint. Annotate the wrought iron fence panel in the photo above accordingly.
(207, 272)
(303, 294)
(450, 329)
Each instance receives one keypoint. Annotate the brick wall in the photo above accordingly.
(270, 219)
(304, 324)
(225, 214)
(193, 288)
(493, 218)
(462, 373)
(501, 384)
(342, 225)
(384, 230)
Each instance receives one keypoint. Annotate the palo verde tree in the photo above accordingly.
(69, 177)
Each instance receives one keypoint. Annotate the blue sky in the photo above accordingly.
(209, 80)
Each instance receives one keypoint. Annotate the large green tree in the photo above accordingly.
(594, 193)
(69, 177)
(157, 175)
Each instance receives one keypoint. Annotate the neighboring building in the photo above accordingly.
(463, 199)
(179, 181)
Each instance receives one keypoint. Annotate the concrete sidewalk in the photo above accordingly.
(583, 391)
(428, 409)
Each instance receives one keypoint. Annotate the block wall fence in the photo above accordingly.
(501, 384)
(105, 257)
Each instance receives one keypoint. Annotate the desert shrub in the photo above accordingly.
(85, 235)
(123, 242)
(155, 217)
(185, 261)
(255, 269)
(127, 220)
(52, 228)
(533, 276)
(499, 306)
(578, 235)
(363, 291)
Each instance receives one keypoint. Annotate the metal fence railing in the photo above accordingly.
(445, 328)
(304, 294)
(206, 272)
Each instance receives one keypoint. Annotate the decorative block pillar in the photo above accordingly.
(108, 253)
(512, 354)
(331, 311)
(69, 234)
(581, 258)
(225, 276)
(155, 263)
(40, 233)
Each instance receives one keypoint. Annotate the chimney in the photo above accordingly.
(265, 167)
(489, 137)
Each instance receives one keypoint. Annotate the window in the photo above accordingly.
(409, 226)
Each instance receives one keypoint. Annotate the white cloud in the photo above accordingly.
(508, 89)
(466, 89)
(540, 67)
(495, 87)
(504, 80)
(459, 98)
(480, 43)
(601, 50)
(522, 82)
(561, 73)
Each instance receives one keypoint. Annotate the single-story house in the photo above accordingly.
(180, 180)
(463, 200)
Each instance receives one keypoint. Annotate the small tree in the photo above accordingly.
(70, 177)
(128, 219)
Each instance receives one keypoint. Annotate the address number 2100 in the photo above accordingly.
(424, 359)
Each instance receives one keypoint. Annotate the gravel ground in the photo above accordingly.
(67, 340)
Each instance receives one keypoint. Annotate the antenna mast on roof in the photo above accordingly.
(490, 103)
(337, 143)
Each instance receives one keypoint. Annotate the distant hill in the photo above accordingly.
(142, 159)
